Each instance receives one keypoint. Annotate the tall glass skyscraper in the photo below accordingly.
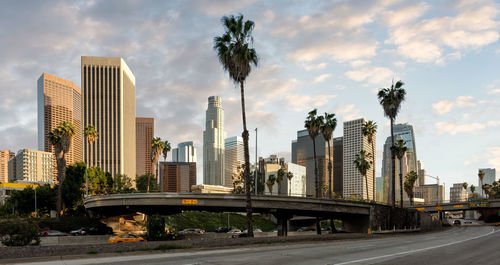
(405, 130)
(234, 157)
(213, 143)
(185, 152)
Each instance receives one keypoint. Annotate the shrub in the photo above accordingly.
(156, 227)
(18, 232)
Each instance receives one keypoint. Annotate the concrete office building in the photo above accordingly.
(489, 177)
(214, 143)
(354, 184)
(108, 90)
(234, 156)
(185, 152)
(32, 166)
(458, 193)
(430, 193)
(5, 156)
(177, 176)
(302, 154)
(59, 100)
(145, 131)
(338, 165)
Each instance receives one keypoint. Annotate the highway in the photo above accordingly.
(459, 245)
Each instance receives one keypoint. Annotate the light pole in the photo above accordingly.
(256, 164)
(35, 203)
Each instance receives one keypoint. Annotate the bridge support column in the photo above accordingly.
(282, 223)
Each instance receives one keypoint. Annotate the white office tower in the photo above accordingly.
(234, 157)
(213, 143)
(185, 152)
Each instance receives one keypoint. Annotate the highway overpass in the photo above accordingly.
(458, 206)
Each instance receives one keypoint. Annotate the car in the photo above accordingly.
(79, 232)
(125, 238)
(256, 230)
(54, 233)
(305, 228)
(221, 229)
(234, 231)
(100, 230)
(238, 235)
(192, 231)
(457, 222)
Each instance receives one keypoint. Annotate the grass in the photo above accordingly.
(92, 252)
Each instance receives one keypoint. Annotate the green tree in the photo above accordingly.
(100, 182)
(141, 183)
(409, 184)
(24, 200)
(312, 124)
(391, 99)
(363, 163)
(481, 175)
(324, 189)
(73, 188)
(465, 185)
(157, 146)
(61, 138)
(91, 134)
(289, 176)
(18, 232)
(166, 149)
(327, 127)
(122, 184)
(270, 183)
(369, 130)
(400, 150)
(472, 190)
(236, 54)
(487, 189)
(280, 178)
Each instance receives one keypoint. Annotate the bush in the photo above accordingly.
(156, 227)
(17, 232)
(68, 223)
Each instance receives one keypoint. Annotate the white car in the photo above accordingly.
(234, 231)
(256, 230)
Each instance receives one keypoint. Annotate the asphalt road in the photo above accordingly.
(460, 245)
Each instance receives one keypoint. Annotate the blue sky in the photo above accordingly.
(330, 55)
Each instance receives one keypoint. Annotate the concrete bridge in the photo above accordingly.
(458, 206)
(356, 216)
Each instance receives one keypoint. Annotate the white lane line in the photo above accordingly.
(416, 250)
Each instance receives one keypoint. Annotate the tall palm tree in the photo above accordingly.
(61, 138)
(289, 176)
(369, 130)
(157, 146)
(281, 176)
(400, 150)
(391, 99)
(465, 185)
(410, 180)
(481, 174)
(472, 189)
(270, 183)
(363, 163)
(91, 135)
(312, 124)
(166, 149)
(327, 128)
(487, 189)
(237, 56)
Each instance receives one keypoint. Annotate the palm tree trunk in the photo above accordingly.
(61, 171)
(366, 182)
(393, 166)
(149, 175)
(330, 186)
(247, 164)
(373, 160)
(316, 177)
(401, 182)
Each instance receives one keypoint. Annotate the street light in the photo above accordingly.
(256, 164)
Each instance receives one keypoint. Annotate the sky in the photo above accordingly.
(329, 55)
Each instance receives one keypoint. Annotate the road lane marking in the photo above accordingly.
(416, 250)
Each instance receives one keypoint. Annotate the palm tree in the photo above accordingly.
(157, 146)
(237, 55)
(270, 183)
(61, 138)
(289, 176)
(312, 124)
(166, 149)
(91, 135)
(410, 180)
(369, 130)
(481, 174)
(391, 99)
(465, 185)
(363, 163)
(324, 188)
(472, 189)
(281, 175)
(487, 189)
(327, 127)
(400, 150)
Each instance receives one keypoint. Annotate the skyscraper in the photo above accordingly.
(32, 166)
(185, 152)
(354, 142)
(5, 155)
(338, 165)
(177, 176)
(405, 130)
(234, 157)
(489, 177)
(145, 131)
(59, 100)
(302, 154)
(387, 171)
(213, 143)
(108, 88)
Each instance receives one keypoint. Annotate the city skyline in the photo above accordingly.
(453, 91)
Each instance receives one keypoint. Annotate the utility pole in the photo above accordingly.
(256, 164)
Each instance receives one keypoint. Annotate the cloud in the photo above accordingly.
(305, 102)
(348, 112)
(375, 75)
(311, 67)
(321, 78)
(359, 63)
(404, 15)
(445, 106)
(494, 157)
(454, 128)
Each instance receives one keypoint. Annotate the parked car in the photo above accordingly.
(457, 222)
(125, 238)
(54, 233)
(221, 229)
(100, 230)
(79, 232)
(256, 230)
(305, 228)
(192, 231)
(234, 231)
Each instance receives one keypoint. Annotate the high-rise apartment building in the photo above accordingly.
(145, 131)
(214, 143)
(302, 154)
(234, 157)
(458, 193)
(5, 156)
(177, 176)
(108, 90)
(406, 132)
(489, 177)
(32, 166)
(59, 100)
(354, 141)
(338, 165)
(185, 152)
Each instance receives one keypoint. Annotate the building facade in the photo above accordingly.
(59, 100)
(177, 176)
(214, 143)
(458, 193)
(406, 132)
(185, 152)
(302, 154)
(32, 166)
(145, 131)
(108, 90)
(7, 188)
(489, 177)
(379, 189)
(354, 184)
(421, 174)
(430, 193)
(387, 171)
(338, 166)
(5, 156)
(234, 158)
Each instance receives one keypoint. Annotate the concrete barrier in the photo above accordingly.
(72, 240)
